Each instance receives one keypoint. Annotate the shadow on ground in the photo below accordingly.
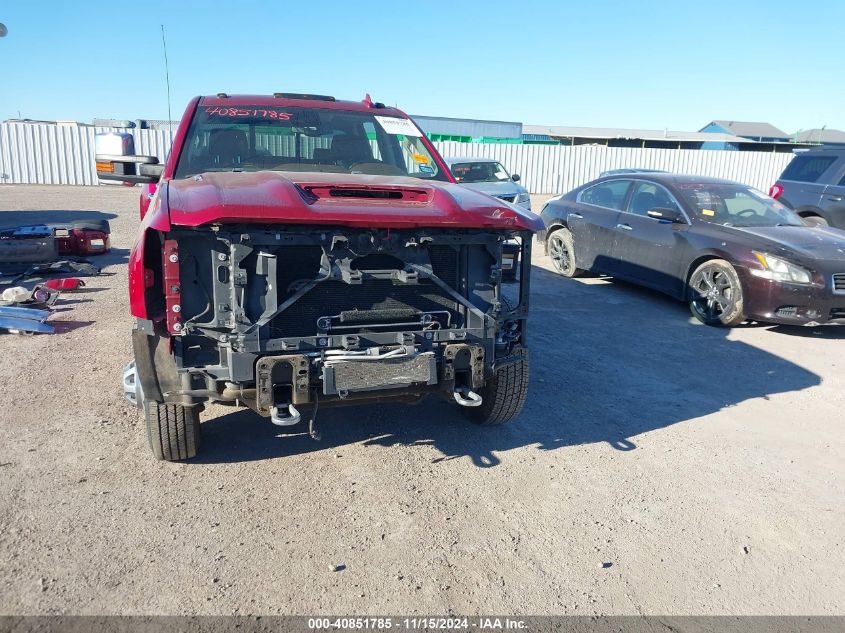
(609, 361)
(19, 217)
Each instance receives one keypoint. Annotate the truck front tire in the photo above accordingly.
(504, 394)
(173, 430)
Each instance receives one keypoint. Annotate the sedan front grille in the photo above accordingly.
(839, 283)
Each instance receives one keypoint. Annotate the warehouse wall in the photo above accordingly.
(51, 154)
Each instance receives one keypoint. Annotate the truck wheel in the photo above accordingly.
(503, 395)
(173, 430)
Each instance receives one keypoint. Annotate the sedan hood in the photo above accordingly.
(504, 188)
(337, 199)
(802, 241)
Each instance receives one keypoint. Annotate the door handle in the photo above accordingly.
(625, 227)
(835, 198)
(576, 216)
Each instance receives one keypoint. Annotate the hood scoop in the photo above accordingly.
(349, 193)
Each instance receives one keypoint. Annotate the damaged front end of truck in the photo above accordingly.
(282, 320)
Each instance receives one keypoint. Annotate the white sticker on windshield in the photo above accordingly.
(395, 125)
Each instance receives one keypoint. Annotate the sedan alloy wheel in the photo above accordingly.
(562, 253)
(716, 294)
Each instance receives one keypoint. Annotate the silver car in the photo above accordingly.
(488, 176)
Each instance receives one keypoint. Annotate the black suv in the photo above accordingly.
(813, 184)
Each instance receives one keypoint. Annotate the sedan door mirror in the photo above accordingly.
(667, 215)
(515, 177)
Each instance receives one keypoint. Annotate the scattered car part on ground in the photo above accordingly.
(25, 245)
(65, 284)
(132, 389)
(731, 251)
(11, 273)
(46, 242)
(41, 297)
(83, 238)
(302, 251)
(813, 185)
(18, 320)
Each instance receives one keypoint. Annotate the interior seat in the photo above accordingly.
(228, 147)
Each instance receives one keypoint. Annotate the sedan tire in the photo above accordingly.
(561, 249)
(715, 293)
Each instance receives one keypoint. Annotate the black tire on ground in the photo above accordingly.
(561, 250)
(715, 294)
(173, 430)
(815, 220)
(504, 394)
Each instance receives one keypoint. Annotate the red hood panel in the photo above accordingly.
(276, 197)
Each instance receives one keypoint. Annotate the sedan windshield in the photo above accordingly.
(736, 205)
(482, 171)
(280, 138)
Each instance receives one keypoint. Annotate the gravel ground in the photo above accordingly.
(659, 467)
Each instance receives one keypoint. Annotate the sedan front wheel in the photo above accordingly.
(562, 252)
(716, 294)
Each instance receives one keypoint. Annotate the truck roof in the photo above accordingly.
(297, 100)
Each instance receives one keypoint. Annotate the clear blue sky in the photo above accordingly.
(646, 64)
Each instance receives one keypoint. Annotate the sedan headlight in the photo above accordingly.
(778, 269)
(523, 197)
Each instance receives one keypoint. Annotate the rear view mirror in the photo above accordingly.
(667, 215)
(116, 160)
(515, 177)
(131, 169)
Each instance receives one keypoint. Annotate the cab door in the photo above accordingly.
(649, 250)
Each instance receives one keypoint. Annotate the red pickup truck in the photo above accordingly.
(302, 251)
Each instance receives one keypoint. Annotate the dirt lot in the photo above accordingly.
(659, 467)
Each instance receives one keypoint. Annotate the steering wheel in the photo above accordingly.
(746, 213)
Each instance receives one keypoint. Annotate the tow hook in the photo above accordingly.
(466, 397)
(132, 390)
(285, 415)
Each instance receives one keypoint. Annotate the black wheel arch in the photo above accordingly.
(157, 371)
(554, 226)
(806, 211)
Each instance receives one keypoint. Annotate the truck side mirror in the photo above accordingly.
(129, 169)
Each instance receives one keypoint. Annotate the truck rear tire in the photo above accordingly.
(173, 430)
(504, 394)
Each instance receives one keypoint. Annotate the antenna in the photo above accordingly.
(167, 80)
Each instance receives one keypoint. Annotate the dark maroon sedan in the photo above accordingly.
(731, 251)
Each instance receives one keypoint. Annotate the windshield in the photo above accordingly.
(256, 138)
(736, 205)
(482, 171)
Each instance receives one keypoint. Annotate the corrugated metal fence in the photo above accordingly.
(51, 154)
